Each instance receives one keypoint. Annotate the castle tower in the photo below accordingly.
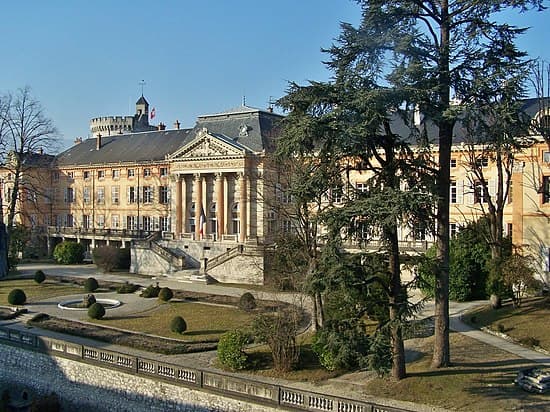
(142, 108)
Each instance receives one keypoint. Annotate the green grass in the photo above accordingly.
(528, 322)
(204, 322)
(36, 292)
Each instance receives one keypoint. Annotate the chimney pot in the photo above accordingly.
(161, 126)
(98, 142)
(177, 124)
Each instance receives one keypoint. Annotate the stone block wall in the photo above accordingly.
(83, 386)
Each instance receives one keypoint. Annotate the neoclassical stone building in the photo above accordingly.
(191, 202)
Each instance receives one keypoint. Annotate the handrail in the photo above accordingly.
(167, 254)
(196, 378)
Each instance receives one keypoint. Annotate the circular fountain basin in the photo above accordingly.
(73, 304)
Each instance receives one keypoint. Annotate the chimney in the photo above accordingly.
(177, 125)
(98, 142)
(41, 151)
(270, 109)
(161, 126)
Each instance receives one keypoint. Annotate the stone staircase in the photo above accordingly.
(191, 275)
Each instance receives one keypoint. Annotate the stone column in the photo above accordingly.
(220, 204)
(197, 189)
(226, 205)
(178, 206)
(242, 207)
(183, 224)
(248, 202)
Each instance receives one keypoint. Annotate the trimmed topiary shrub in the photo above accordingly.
(166, 294)
(17, 297)
(230, 350)
(150, 291)
(90, 285)
(127, 288)
(178, 325)
(39, 276)
(69, 253)
(96, 311)
(247, 302)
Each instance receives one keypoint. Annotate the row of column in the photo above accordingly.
(221, 195)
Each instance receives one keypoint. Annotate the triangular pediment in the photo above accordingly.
(207, 146)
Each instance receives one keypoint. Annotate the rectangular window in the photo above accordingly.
(164, 222)
(131, 222)
(453, 229)
(147, 223)
(86, 195)
(147, 194)
(69, 195)
(55, 176)
(131, 173)
(147, 172)
(115, 221)
(510, 193)
(101, 221)
(361, 187)
(86, 174)
(164, 194)
(132, 194)
(509, 229)
(116, 173)
(479, 193)
(101, 174)
(482, 161)
(282, 194)
(100, 195)
(546, 157)
(70, 175)
(163, 171)
(337, 194)
(453, 192)
(453, 162)
(115, 195)
(69, 220)
(86, 222)
(546, 189)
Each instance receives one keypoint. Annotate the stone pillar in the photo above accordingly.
(248, 203)
(226, 205)
(197, 189)
(178, 206)
(242, 207)
(517, 204)
(220, 204)
(183, 188)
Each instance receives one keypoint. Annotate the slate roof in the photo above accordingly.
(133, 147)
(261, 126)
(155, 145)
(142, 100)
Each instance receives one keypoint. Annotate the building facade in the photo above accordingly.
(197, 200)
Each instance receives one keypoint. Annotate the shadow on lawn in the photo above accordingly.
(206, 332)
(509, 366)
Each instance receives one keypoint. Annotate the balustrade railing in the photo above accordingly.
(219, 382)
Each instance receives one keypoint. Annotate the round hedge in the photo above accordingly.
(247, 302)
(178, 325)
(166, 294)
(17, 297)
(39, 276)
(96, 311)
(90, 285)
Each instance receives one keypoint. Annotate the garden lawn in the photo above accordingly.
(204, 321)
(527, 324)
(36, 292)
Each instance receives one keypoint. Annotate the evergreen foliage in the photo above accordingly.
(127, 287)
(96, 311)
(91, 284)
(68, 253)
(247, 302)
(17, 297)
(39, 276)
(178, 324)
(150, 291)
(166, 294)
(230, 350)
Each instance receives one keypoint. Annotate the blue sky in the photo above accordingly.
(85, 59)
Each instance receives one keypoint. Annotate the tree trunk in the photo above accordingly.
(396, 306)
(441, 353)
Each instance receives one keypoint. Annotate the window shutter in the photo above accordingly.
(460, 192)
(492, 187)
